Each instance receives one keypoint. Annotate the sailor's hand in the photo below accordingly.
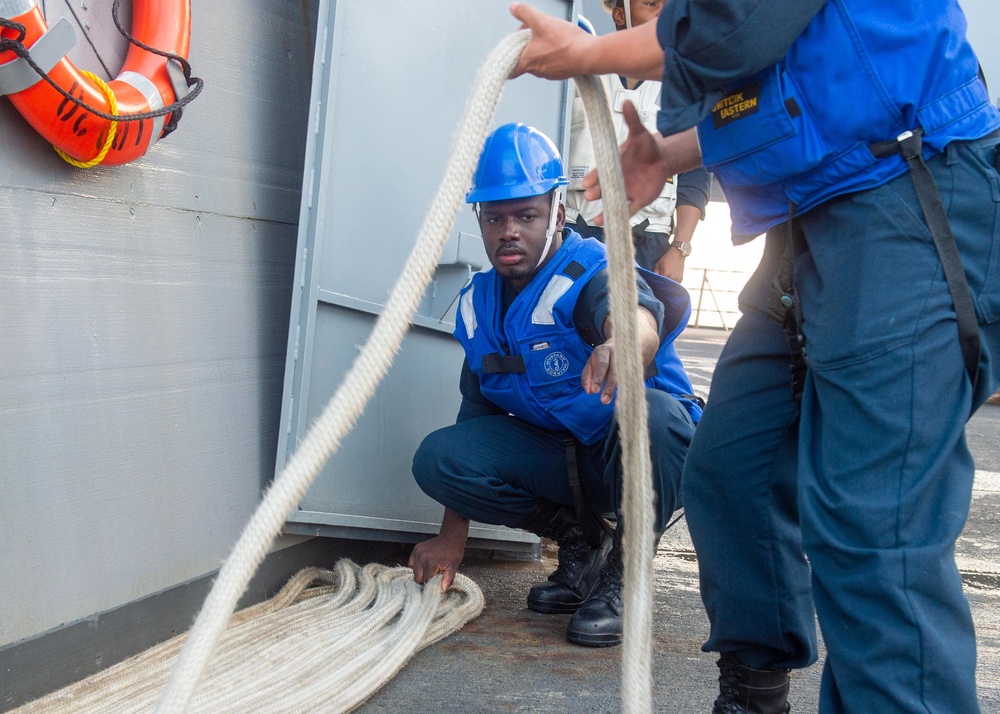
(643, 166)
(600, 374)
(441, 554)
(555, 46)
(671, 265)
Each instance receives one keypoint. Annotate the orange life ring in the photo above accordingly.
(144, 85)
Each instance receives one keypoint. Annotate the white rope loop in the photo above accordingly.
(325, 643)
(343, 410)
(631, 409)
(346, 405)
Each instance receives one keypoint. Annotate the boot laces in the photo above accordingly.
(572, 557)
(609, 584)
(732, 699)
(728, 699)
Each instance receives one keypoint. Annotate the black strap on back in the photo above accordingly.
(651, 370)
(909, 145)
(573, 475)
(692, 398)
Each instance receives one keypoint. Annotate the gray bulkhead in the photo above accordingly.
(143, 323)
(144, 313)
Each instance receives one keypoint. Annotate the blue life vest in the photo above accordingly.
(797, 133)
(530, 361)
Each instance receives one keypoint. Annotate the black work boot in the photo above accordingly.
(750, 691)
(599, 622)
(583, 548)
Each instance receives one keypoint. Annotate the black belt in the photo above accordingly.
(909, 145)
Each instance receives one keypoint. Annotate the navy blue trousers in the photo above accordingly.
(496, 469)
(870, 476)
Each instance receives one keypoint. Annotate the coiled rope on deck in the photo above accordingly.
(275, 656)
(371, 364)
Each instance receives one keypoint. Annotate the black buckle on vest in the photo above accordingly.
(908, 144)
(574, 270)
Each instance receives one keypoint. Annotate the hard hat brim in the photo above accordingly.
(507, 193)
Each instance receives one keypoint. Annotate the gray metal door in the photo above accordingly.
(390, 83)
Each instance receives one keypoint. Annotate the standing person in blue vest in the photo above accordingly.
(536, 445)
(860, 138)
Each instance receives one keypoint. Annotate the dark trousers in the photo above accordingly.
(495, 469)
(870, 477)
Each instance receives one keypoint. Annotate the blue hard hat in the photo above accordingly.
(585, 25)
(518, 161)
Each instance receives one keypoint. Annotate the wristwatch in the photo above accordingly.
(683, 246)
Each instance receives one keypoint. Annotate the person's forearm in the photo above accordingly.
(560, 50)
(634, 53)
(454, 526)
(680, 152)
(694, 188)
(687, 222)
(649, 338)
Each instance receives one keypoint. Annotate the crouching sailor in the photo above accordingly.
(536, 445)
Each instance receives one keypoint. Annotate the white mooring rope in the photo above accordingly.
(276, 655)
(630, 407)
(351, 629)
(347, 403)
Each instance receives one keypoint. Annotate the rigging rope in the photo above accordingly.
(275, 656)
(373, 361)
(630, 408)
(347, 403)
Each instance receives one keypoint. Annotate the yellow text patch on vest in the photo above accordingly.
(739, 103)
